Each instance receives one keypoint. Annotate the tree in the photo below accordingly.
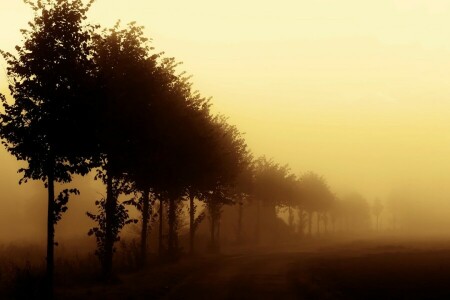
(243, 186)
(377, 209)
(272, 188)
(230, 160)
(122, 64)
(354, 212)
(316, 196)
(48, 79)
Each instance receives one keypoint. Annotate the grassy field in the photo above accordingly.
(363, 269)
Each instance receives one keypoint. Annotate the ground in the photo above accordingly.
(311, 270)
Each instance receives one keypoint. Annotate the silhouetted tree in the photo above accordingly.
(121, 60)
(48, 79)
(185, 136)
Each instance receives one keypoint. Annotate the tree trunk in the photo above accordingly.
(300, 222)
(110, 212)
(318, 223)
(191, 224)
(172, 217)
(145, 220)
(50, 227)
(258, 222)
(310, 223)
(239, 229)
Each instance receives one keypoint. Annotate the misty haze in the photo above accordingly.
(232, 150)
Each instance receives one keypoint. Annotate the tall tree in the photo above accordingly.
(121, 60)
(48, 79)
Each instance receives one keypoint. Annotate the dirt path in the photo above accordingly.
(351, 270)
(256, 276)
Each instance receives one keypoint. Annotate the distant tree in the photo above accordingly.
(48, 79)
(290, 198)
(354, 212)
(230, 159)
(243, 187)
(272, 188)
(215, 201)
(377, 209)
(317, 197)
(183, 141)
(301, 206)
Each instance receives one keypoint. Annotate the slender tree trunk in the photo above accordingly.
(191, 224)
(50, 227)
(310, 223)
(172, 216)
(160, 235)
(239, 229)
(318, 223)
(145, 220)
(110, 211)
(300, 222)
(258, 222)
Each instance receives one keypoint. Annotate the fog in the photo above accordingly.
(361, 103)
(416, 209)
(354, 94)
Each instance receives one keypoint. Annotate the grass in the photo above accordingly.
(364, 269)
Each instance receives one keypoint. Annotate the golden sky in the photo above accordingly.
(358, 91)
